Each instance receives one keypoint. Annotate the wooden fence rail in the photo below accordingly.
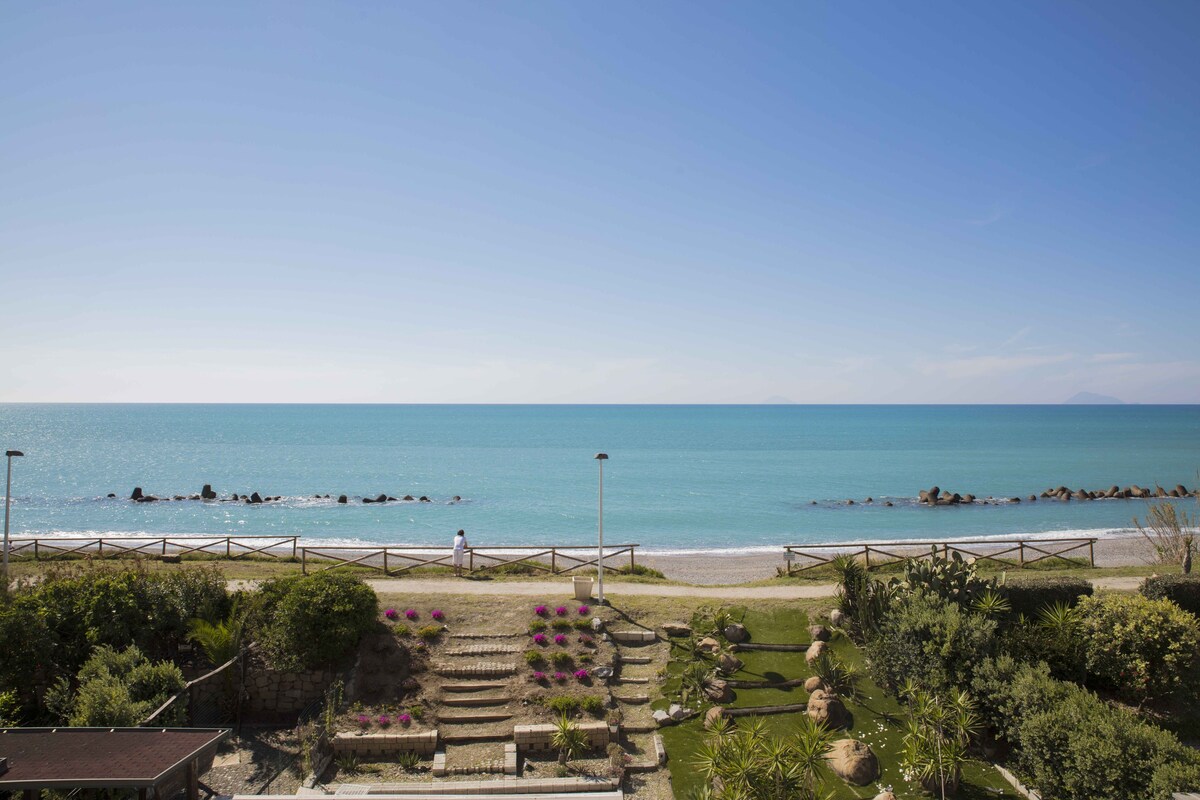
(1019, 552)
(396, 560)
(114, 546)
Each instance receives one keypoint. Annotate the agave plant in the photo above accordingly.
(568, 739)
(991, 603)
(836, 675)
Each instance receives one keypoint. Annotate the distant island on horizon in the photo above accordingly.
(1093, 399)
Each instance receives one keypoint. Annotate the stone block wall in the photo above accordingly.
(539, 737)
(287, 692)
(386, 744)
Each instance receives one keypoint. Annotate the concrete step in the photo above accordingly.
(633, 698)
(635, 659)
(478, 733)
(476, 700)
(474, 686)
(481, 669)
(492, 635)
(491, 649)
(624, 679)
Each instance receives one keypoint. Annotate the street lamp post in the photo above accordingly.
(600, 459)
(10, 455)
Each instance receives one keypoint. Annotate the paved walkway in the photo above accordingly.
(618, 588)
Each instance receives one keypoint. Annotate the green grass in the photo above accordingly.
(877, 719)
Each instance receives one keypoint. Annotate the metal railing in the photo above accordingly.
(1020, 553)
(230, 547)
(396, 560)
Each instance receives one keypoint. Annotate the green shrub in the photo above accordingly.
(534, 657)
(592, 705)
(10, 709)
(119, 688)
(561, 624)
(644, 571)
(537, 626)
(1140, 647)
(1068, 744)
(931, 641)
(582, 625)
(953, 578)
(1182, 590)
(429, 633)
(416, 712)
(26, 649)
(1028, 595)
(314, 620)
(562, 704)
(560, 658)
(402, 631)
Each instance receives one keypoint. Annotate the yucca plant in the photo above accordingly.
(837, 676)
(747, 763)
(568, 739)
(991, 603)
(937, 735)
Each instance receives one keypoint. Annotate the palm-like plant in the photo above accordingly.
(748, 763)
(220, 641)
(694, 680)
(937, 735)
(568, 739)
(836, 675)
(991, 603)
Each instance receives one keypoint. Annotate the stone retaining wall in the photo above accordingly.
(386, 744)
(539, 737)
(288, 692)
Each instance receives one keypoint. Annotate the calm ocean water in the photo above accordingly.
(679, 477)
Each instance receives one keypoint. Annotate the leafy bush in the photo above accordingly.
(1182, 590)
(560, 624)
(1140, 647)
(642, 570)
(864, 600)
(537, 626)
(952, 579)
(582, 625)
(534, 657)
(592, 705)
(1067, 743)
(26, 650)
(562, 704)
(1028, 596)
(560, 658)
(309, 621)
(428, 633)
(931, 641)
(119, 688)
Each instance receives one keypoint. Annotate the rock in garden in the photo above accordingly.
(597, 624)
(708, 645)
(712, 715)
(853, 761)
(675, 710)
(837, 618)
(677, 629)
(818, 633)
(737, 633)
(812, 684)
(815, 651)
(729, 664)
(662, 718)
(827, 709)
(885, 796)
(718, 691)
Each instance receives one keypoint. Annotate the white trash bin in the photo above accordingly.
(583, 587)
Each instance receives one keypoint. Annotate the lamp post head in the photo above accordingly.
(12, 453)
(601, 456)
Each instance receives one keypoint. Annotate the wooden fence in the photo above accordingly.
(396, 560)
(111, 547)
(1008, 552)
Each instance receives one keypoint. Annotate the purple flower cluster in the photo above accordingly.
(539, 638)
(586, 640)
(584, 611)
(363, 721)
(405, 719)
(581, 674)
(539, 676)
(561, 677)
(437, 614)
(384, 720)
(561, 611)
(560, 639)
(410, 613)
(540, 611)
(391, 613)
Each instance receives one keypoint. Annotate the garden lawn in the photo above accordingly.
(878, 718)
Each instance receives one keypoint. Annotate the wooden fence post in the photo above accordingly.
(867, 556)
(1021, 553)
(385, 572)
(632, 564)
(304, 560)
(1092, 552)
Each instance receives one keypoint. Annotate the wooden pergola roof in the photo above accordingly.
(105, 758)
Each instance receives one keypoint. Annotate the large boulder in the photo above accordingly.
(818, 633)
(737, 633)
(256, 498)
(207, 493)
(815, 651)
(677, 629)
(136, 494)
(662, 718)
(837, 618)
(342, 499)
(853, 761)
(728, 664)
(718, 691)
(827, 709)
(708, 645)
(885, 796)
(813, 684)
(712, 715)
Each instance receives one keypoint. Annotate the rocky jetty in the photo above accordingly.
(937, 497)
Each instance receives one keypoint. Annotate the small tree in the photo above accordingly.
(936, 739)
(118, 688)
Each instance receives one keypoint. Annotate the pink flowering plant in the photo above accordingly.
(364, 721)
(560, 639)
(411, 613)
(437, 614)
(405, 719)
(384, 720)
(561, 677)
(581, 674)
(584, 611)
(586, 640)
(539, 676)
(540, 611)
(391, 614)
(539, 638)
(561, 611)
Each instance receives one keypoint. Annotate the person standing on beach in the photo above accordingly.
(460, 546)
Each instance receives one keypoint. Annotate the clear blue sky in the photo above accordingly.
(599, 202)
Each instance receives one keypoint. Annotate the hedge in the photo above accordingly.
(1029, 596)
(1182, 590)
(315, 620)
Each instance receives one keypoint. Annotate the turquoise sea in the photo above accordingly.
(678, 478)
